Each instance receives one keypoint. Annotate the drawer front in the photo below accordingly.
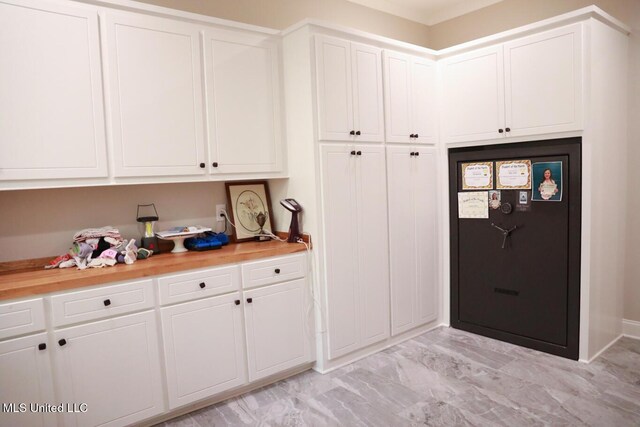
(198, 284)
(273, 270)
(102, 302)
(21, 317)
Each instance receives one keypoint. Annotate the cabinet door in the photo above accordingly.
(203, 348)
(339, 208)
(397, 82)
(155, 89)
(278, 332)
(425, 185)
(401, 169)
(372, 248)
(424, 113)
(114, 367)
(335, 94)
(243, 102)
(368, 106)
(51, 104)
(473, 96)
(543, 82)
(25, 375)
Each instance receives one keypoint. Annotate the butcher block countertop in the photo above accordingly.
(30, 281)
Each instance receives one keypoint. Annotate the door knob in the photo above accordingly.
(412, 136)
(277, 270)
(214, 164)
(417, 153)
(508, 129)
(358, 133)
(412, 154)
(202, 285)
(500, 130)
(62, 342)
(249, 300)
(107, 302)
(353, 132)
(353, 153)
(359, 153)
(202, 165)
(42, 346)
(237, 302)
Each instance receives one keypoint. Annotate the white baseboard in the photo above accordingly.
(615, 340)
(631, 329)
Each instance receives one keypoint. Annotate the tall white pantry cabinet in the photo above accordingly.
(355, 110)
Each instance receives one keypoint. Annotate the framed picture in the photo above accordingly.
(249, 204)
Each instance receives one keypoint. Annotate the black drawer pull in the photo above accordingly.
(508, 129)
(249, 300)
(506, 291)
(237, 302)
(62, 342)
(202, 285)
(214, 164)
(353, 153)
(359, 153)
(42, 346)
(353, 132)
(202, 165)
(277, 270)
(358, 133)
(500, 130)
(417, 153)
(107, 302)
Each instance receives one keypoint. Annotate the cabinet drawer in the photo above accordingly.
(273, 270)
(21, 317)
(102, 302)
(198, 284)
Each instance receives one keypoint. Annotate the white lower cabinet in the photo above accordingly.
(25, 378)
(114, 367)
(203, 348)
(277, 333)
(412, 236)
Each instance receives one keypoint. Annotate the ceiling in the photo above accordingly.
(428, 12)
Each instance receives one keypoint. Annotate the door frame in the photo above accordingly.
(572, 148)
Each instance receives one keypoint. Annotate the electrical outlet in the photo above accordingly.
(219, 210)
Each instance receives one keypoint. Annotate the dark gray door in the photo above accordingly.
(523, 288)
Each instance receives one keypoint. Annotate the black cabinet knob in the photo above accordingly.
(202, 165)
(237, 302)
(500, 130)
(42, 346)
(413, 135)
(412, 154)
(277, 270)
(353, 153)
(358, 133)
(62, 342)
(107, 302)
(508, 129)
(417, 153)
(249, 300)
(202, 285)
(359, 153)
(416, 136)
(353, 132)
(214, 164)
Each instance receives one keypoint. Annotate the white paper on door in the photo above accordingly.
(477, 176)
(514, 175)
(473, 205)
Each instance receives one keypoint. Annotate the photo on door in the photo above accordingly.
(547, 182)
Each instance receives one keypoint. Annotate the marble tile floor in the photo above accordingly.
(447, 377)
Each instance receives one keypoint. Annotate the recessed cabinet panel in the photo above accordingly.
(398, 97)
(373, 251)
(424, 100)
(203, 347)
(335, 96)
(155, 95)
(368, 105)
(243, 108)
(543, 82)
(25, 375)
(473, 95)
(51, 104)
(114, 367)
(277, 333)
(338, 170)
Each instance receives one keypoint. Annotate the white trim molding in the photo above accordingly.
(631, 328)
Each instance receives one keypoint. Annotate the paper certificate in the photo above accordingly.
(477, 176)
(473, 204)
(514, 175)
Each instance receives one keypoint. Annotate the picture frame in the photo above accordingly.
(246, 200)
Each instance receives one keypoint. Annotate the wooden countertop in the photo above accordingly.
(22, 283)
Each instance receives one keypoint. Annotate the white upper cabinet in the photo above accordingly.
(243, 102)
(155, 87)
(410, 98)
(51, 104)
(473, 96)
(543, 82)
(529, 86)
(349, 89)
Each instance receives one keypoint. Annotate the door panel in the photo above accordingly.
(367, 97)
(398, 97)
(423, 94)
(338, 182)
(373, 253)
(527, 292)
